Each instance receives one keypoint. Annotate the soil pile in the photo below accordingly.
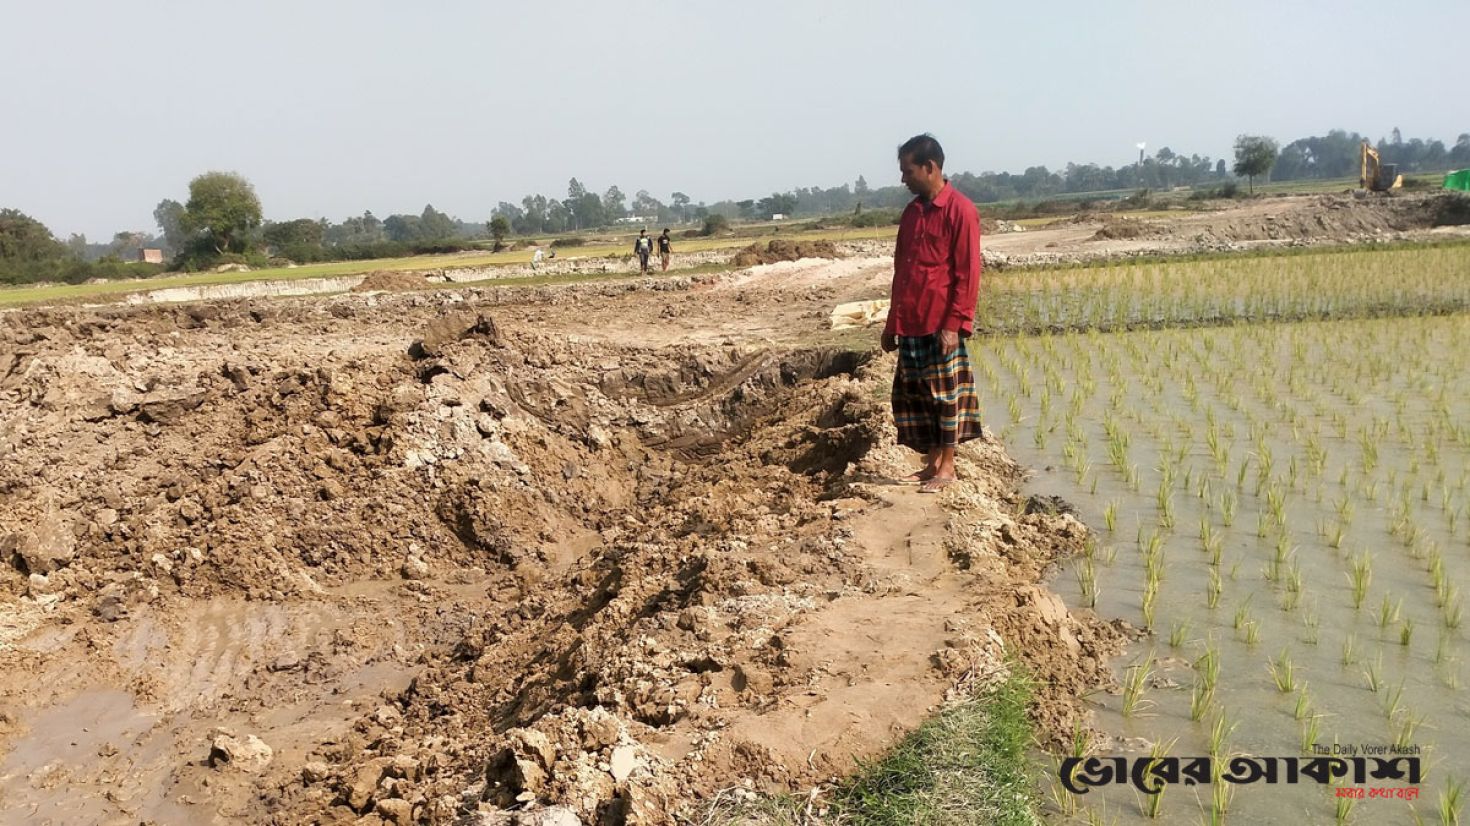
(1324, 218)
(1118, 227)
(783, 250)
(387, 281)
(393, 558)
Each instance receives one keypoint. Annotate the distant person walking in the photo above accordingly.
(665, 248)
(936, 281)
(536, 259)
(643, 247)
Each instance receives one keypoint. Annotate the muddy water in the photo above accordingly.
(126, 739)
(1352, 445)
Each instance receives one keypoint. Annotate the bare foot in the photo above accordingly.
(936, 484)
(917, 477)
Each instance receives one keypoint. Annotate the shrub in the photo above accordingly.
(1138, 200)
(561, 243)
(876, 218)
(715, 224)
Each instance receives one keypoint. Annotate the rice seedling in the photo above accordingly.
(1135, 685)
(1388, 611)
(1445, 591)
(1349, 649)
(1393, 701)
(1303, 705)
(1242, 614)
(1153, 803)
(1087, 582)
(1219, 735)
(1220, 792)
(1252, 633)
(1283, 673)
(1310, 728)
(1360, 575)
(1150, 596)
(1213, 588)
(1403, 735)
(1406, 632)
(1227, 508)
(1110, 516)
(1373, 674)
(1450, 803)
(1343, 809)
(1177, 633)
(1207, 535)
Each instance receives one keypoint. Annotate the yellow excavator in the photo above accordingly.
(1377, 176)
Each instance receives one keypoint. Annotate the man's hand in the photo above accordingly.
(948, 341)
(890, 342)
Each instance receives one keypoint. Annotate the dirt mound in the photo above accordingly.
(1337, 218)
(783, 250)
(1116, 227)
(413, 562)
(390, 281)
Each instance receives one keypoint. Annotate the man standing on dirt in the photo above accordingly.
(643, 247)
(936, 281)
(665, 248)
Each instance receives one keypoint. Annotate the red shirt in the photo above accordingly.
(936, 266)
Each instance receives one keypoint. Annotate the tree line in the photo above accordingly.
(222, 220)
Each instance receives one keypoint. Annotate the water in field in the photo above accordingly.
(1290, 499)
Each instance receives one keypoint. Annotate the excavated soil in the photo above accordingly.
(1320, 218)
(783, 250)
(423, 557)
(387, 280)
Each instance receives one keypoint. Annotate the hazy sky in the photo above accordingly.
(332, 107)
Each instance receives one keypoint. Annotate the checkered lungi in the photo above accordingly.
(934, 402)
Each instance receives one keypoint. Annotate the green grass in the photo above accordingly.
(968, 765)
(611, 249)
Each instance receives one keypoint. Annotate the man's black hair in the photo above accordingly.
(921, 149)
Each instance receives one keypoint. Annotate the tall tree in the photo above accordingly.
(223, 208)
(1460, 154)
(679, 202)
(24, 239)
(1254, 155)
(499, 227)
(402, 228)
(169, 214)
(614, 204)
(558, 217)
(435, 225)
(302, 232)
(646, 205)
